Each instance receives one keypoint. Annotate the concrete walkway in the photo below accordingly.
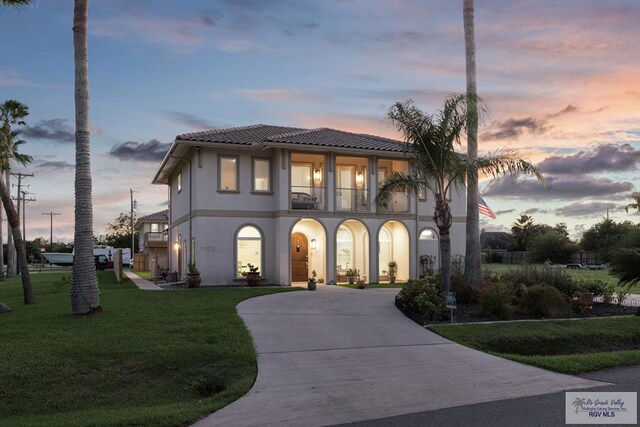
(339, 355)
(141, 283)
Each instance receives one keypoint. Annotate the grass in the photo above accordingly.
(145, 274)
(570, 347)
(603, 275)
(152, 358)
(373, 285)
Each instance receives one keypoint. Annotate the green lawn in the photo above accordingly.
(603, 275)
(570, 347)
(152, 358)
(145, 274)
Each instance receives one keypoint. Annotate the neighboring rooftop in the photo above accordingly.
(160, 216)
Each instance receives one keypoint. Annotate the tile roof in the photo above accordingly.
(320, 137)
(161, 216)
(245, 135)
(325, 137)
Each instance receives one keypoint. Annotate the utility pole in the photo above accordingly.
(24, 211)
(11, 250)
(51, 214)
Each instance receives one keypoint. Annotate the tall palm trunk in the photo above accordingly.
(11, 250)
(14, 222)
(443, 219)
(472, 264)
(1, 249)
(85, 294)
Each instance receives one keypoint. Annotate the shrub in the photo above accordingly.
(597, 287)
(551, 246)
(544, 301)
(536, 275)
(423, 297)
(496, 301)
(625, 265)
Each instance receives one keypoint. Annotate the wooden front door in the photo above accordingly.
(299, 258)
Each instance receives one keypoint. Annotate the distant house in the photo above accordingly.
(153, 240)
(292, 201)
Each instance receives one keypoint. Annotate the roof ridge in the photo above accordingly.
(221, 130)
(302, 131)
(364, 134)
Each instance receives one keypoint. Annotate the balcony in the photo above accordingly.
(352, 199)
(156, 239)
(307, 198)
(398, 203)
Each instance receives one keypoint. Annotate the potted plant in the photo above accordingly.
(360, 284)
(392, 271)
(351, 275)
(253, 275)
(193, 275)
(311, 284)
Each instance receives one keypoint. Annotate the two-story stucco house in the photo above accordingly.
(292, 201)
(152, 240)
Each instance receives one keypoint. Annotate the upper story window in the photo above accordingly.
(155, 227)
(262, 175)
(227, 173)
(179, 182)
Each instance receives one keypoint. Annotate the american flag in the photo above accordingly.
(484, 209)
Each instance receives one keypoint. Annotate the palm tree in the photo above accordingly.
(15, 3)
(438, 167)
(13, 113)
(472, 265)
(85, 294)
(635, 196)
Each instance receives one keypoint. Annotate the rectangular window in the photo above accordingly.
(227, 173)
(262, 175)
(155, 228)
(179, 182)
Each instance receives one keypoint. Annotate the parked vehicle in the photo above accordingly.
(102, 262)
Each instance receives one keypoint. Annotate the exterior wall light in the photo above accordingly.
(317, 176)
(313, 244)
(359, 179)
(176, 245)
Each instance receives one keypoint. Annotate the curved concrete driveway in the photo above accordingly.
(339, 355)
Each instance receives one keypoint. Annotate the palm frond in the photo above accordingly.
(398, 182)
(505, 162)
(625, 265)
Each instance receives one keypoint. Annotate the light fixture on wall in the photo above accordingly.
(314, 244)
(176, 245)
(359, 179)
(317, 176)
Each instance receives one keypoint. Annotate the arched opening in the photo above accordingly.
(393, 246)
(308, 244)
(248, 250)
(352, 250)
(428, 252)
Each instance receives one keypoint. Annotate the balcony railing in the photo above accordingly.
(352, 199)
(156, 237)
(398, 203)
(307, 198)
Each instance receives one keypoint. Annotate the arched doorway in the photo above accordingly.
(308, 251)
(352, 250)
(393, 245)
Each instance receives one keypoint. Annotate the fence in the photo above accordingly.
(522, 257)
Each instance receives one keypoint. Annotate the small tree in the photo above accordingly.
(551, 246)
(432, 141)
(119, 232)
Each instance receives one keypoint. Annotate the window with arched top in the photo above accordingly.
(248, 249)
(428, 234)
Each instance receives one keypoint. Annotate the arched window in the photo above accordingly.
(428, 234)
(248, 249)
(344, 249)
(384, 240)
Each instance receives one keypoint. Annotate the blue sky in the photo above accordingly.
(559, 80)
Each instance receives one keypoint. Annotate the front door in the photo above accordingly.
(299, 258)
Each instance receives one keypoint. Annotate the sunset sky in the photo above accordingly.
(560, 80)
